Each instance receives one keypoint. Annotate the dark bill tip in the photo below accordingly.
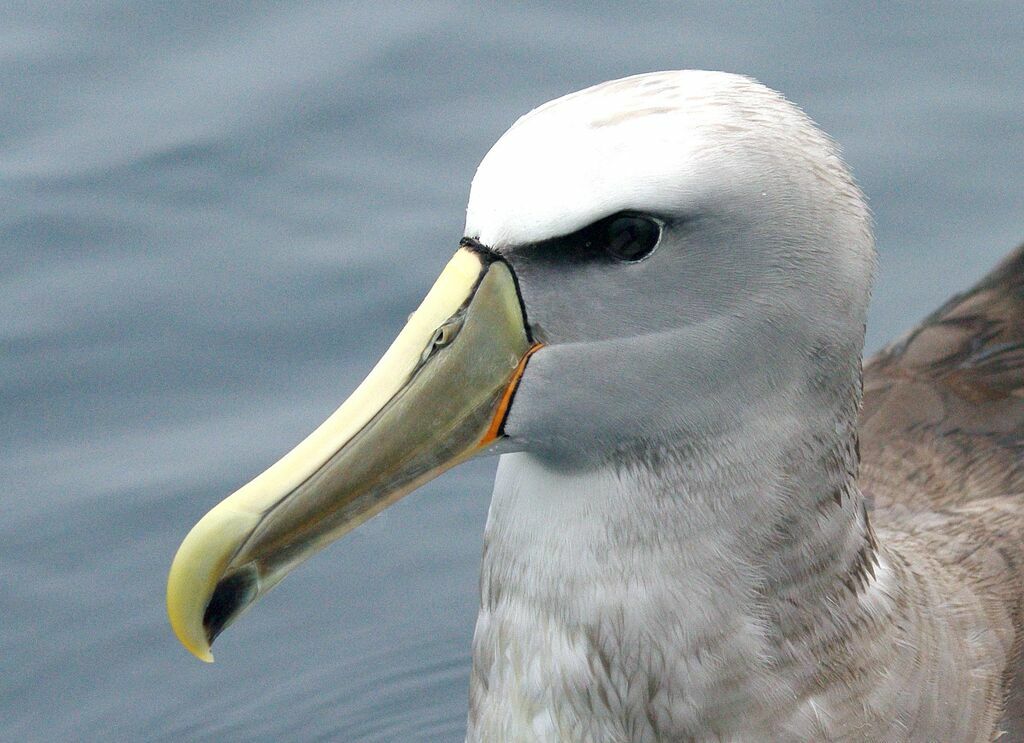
(234, 592)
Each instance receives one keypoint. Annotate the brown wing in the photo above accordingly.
(943, 416)
(942, 458)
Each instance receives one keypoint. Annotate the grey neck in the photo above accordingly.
(790, 517)
(751, 548)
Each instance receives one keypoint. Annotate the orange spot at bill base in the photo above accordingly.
(494, 430)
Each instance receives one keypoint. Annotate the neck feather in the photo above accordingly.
(752, 548)
(777, 497)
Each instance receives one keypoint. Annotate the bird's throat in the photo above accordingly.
(729, 565)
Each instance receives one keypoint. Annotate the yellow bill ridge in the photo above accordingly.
(437, 397)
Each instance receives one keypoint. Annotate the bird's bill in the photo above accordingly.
(438, 396)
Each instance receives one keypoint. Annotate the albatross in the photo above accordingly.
(707, 522)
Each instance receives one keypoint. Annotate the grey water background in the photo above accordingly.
(215, 217)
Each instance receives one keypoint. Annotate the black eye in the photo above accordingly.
(624, 237)
(631, 237)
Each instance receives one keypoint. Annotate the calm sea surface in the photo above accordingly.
(214, 218)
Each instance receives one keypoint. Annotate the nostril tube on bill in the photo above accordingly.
(233, 594)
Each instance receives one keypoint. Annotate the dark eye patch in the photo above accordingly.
(625, 237)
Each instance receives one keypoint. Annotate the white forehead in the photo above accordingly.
(633, 143)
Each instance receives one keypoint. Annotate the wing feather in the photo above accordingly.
(943, 417)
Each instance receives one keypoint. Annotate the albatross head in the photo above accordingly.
(756, 284)
(644, 262)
